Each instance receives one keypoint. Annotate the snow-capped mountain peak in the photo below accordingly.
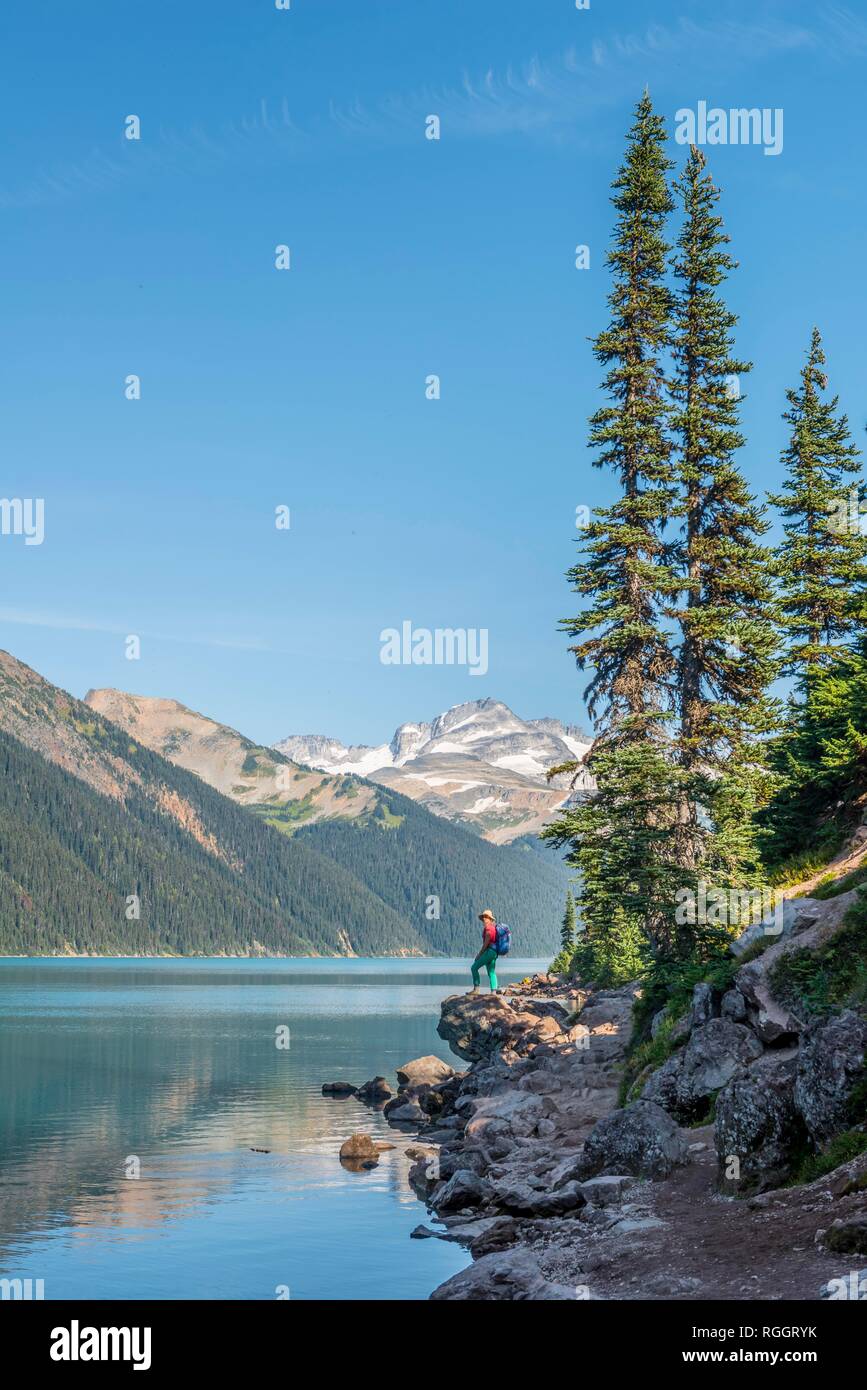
(478, 762)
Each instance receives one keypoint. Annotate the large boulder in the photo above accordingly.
(511, 1276)
(477, 1025)
(424, 1071)
(789, 916)
(832, 1075)
(519, 1198)
(496, 1123)
(847, 1237)
(759, 1134)
(463, 1189)
(714, 1053)
(642, 1140)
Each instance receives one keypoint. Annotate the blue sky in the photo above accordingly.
(409, 257)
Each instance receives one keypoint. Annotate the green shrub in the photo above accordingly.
(841, 1149)
(646, 1056)
(818, 982)
(831, 887)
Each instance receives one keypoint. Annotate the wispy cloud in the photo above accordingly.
(548, 98)
(59, 622)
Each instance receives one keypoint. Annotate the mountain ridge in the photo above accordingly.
(256, 885)
(477, 763)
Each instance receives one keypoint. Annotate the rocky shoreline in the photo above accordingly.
(558, 1192)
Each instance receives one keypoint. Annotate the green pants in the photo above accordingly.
(489, 960)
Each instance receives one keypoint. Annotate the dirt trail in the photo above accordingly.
(708, 1246)
(850, 857)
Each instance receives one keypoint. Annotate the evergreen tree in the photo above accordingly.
(567, 930)
(820, 563)
(727, 636)
(621, 838)
(622, 572)
(820, 569)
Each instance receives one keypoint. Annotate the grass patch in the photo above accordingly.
(807, 863)
(758, 948)
(287, 817)
(841, 1149)
(645, 1057)
(831, 887)
(818, 982)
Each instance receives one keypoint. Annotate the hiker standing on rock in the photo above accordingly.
(492, 937)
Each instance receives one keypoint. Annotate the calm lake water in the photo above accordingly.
(176, 1064)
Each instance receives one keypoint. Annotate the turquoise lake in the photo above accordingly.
(172, 1069)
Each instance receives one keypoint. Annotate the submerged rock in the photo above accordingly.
(375, 1089)
(359, 1148)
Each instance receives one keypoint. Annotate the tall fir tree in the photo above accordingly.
(822, 578)
(622, 573)
(820, 562)
(567, 927)
(620, 839)
(725, 658)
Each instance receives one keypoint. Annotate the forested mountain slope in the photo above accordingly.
(90, 818)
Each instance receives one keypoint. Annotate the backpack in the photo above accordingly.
(503, 942)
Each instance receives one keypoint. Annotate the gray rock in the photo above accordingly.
(375, 1089)
(656, 1022)
(831, 1064)
(463, 1189)
(630, 1224)
(847, 1237)
(813, 925)
(520, 1199)
(733, 1006)
(607, 1191)
(477, 1025)
(498, 1234)
(642, 1140)
(510, 1276)
(714, 1053)
(408, 1112)
(705, 1005)
(424, 1071)
(756, 1122)
(790, 916)
(338, 1088)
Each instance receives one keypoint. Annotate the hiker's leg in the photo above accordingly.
(474, 968)
(491, 964)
